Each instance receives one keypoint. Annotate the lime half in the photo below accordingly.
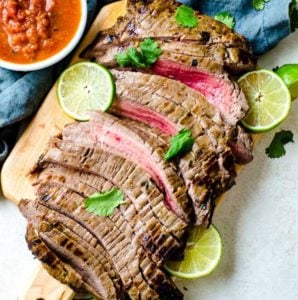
(289, 74)
(83, 87)
(201, 256)
(268, 98)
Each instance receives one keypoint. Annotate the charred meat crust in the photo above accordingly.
(157, 20)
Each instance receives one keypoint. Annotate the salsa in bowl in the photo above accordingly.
(35, 34)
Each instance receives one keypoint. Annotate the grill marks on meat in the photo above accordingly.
(211, 44)
(76, 249)
(107, 132)
(139, 215)
(214, 58)
(58, 269)
(138, 273)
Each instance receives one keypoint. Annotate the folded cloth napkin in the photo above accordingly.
(21, 93)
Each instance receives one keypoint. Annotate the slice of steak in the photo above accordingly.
(105, 130)
(105, 166)
(204, 174)
(169, 106)
(208, 170)
(156, 19)
(214, 58)
(54, 266)
(77, 253)
(125, 252)
(241, 145)
(218, 89)
(139, 216)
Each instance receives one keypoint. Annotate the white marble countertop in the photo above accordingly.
(258, 222)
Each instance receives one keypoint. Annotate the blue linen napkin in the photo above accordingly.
(21, 93)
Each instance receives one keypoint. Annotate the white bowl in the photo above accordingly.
(56, 57)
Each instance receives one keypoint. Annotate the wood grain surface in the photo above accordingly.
(50, 119)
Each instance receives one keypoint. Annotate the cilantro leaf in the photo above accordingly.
(150, 50)
(103, 204)
(132, 57)
(123, 59)
(259, 4)
(180, 143)
(186, 17)
(136, 58)
(226, 18)
(276, 148)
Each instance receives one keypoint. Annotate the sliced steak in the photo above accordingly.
(204, 172)
(54, 266)
(218, 89)
(213, 58)
(208, 170)
(137, 211)
(241, 145)
(105, 166)
(78, 252)
(126, 253)
(170, 106)
(209, 41)
(106, 131)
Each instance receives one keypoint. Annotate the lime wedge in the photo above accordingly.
(289, 74)
(201, 256)
(268, 98)
(83, 87)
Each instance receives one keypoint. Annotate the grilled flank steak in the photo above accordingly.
(121, 256)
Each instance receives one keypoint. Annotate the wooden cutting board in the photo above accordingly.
(16, 184)
(49, 121)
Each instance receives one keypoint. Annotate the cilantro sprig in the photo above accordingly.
(180, 143)
(225, 18)
(148, 55)
(259, 4)
(186, 17)
(103, 204)
(277, 146)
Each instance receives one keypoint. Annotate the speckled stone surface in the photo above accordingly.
(258, 222)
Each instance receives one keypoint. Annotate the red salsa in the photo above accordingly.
(33, 30)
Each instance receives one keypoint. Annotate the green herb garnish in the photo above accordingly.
(225, 18)
(103, 204)
(150, 51)
(186, 17)
(180, 143)
(259, 4)
(148, 55)
(276, 148)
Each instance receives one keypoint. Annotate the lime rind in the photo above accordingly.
(83, 87)
(202, 255)
(275, 105)
(289, 74)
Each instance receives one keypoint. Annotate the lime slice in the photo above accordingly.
(289, 74)
(268, 98)
(83, 87)
(201, 256)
